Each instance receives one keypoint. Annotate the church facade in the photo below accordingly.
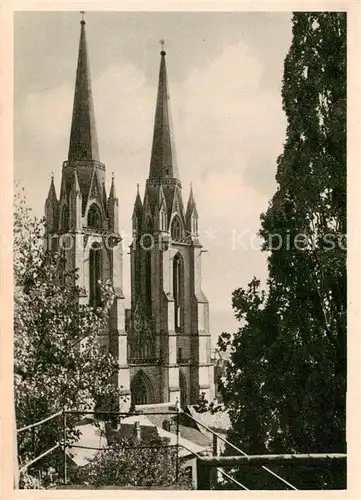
(162, 343)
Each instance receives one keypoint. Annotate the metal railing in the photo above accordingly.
(117, 414)
(207, 480)
(49, 450)
(110, 414)
(204, 477)
(218, 436)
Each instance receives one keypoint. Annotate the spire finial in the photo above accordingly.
(162, 53)
(138, 201)
(112, 176)
(52, 175)
(82, 12)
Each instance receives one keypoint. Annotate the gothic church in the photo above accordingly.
(162, 343)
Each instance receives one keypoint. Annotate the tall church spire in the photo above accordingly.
(83, 136)
(166, 279)
(163, 161)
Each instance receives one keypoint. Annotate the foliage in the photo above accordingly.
(203, 405)
(286, 381)
(127, 463)
(58, 360)
(42, 479)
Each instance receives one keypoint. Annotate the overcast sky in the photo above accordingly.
(225, 73)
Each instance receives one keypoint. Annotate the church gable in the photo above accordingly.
(94, 192)
(151, 194)
(177, 205)
(147, 208)
(150, 205)
(67, 179)
(85, 174)
(161, 198)
(161, 211)
(95, 195)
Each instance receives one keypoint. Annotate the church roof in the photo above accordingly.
(218, 421)
(90, 437)
(186, 446)
(163, 161)
(83, 137)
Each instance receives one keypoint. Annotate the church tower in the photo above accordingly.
(84, 221)
(170, 345)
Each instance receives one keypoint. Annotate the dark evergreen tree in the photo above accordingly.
(286, 382)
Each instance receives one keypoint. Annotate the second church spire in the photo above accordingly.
(163, 161)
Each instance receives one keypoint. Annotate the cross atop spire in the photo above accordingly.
(162, 45)
(83, 137)
(52, 192)
(82, 17)
(138, 202)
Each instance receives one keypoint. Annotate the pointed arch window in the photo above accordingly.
(141, 390)
(148, 225)
(194, 223)
(178, 291)
(162, 221)
(135, 225)
(176, 229)
(148, 283)
(95, 275)
(94, 217)
(65, 218)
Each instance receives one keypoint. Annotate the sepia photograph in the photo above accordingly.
(179, 250)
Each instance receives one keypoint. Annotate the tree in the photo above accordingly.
(58, 361)
(129, 463)
(286, 382)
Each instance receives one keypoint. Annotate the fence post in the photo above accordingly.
(194, 473)
(203, 475)
(213, 471)
(64, 446)
(215, 446)
(177, 448)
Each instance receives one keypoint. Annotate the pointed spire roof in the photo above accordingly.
(52, 191)
(112, 192)
(191, 205)
(138, 202)
(83, 137)
(163, 161)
